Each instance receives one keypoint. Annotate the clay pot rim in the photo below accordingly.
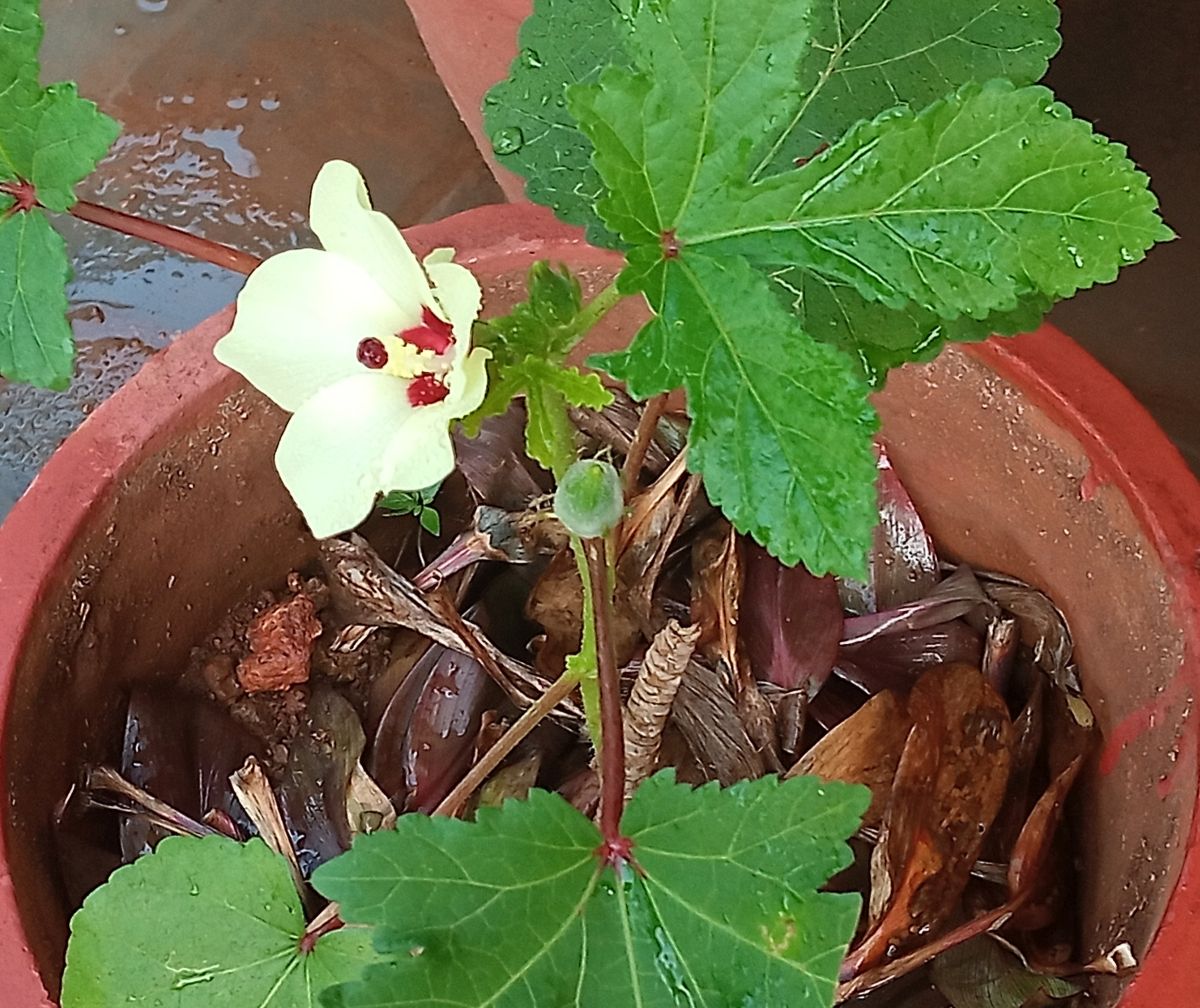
(1127, 450)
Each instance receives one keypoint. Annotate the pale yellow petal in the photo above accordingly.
(340, 215)
(300, 318)
(457, 293)
(468, 384)
(334, 455)
(421, 452)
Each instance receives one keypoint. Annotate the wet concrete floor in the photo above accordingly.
(229, 108)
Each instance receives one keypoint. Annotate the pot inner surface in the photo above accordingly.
(202, 522)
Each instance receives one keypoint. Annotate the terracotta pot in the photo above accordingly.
(1023, 455)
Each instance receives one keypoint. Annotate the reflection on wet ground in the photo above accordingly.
(228, 111)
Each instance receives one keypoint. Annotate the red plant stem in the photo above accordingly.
(326, 922)
(168, 237)
(612, 722)
(647, 427)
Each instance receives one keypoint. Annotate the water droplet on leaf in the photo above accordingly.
(508, 140)
(531, 59)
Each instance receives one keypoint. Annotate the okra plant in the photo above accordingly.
(806, 193)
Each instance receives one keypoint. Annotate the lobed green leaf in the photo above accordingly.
(20, 40)
(781, 426)
(986, 198)
(881, 338)
(515, 911)
(36, 344)
(51, 138)
(562, 42)
(868, 55)
(203, 922)
(713, 81)
(528, 346)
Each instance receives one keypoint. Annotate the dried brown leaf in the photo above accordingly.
(1043, 626)
(716, 591)
(1000, 652)
(512, 781)
(988, 973)
(253, 790)
(949, 785)
(863, 749)
(706, 715)
(758, 718)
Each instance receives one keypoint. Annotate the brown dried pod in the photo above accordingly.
(650, 701)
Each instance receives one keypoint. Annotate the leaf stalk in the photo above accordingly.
(175, 239)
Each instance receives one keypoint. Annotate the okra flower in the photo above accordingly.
(369, 351)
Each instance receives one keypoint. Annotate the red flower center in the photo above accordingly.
(372, 353)
(427, 389)
(432, 334)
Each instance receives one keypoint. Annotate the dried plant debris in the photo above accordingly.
(281, 645)
(949, 784)
(368, 694)
(378, 595)
(987, 972)
(863, 749)
(650, 701)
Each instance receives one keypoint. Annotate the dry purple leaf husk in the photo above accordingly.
(426, 739)
(958, 595)
(903, 563)
(182, 749)
(896, 660)
(790, 622)
(511, 537)
(315, 782)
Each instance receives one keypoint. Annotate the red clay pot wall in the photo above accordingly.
(1023, 455)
